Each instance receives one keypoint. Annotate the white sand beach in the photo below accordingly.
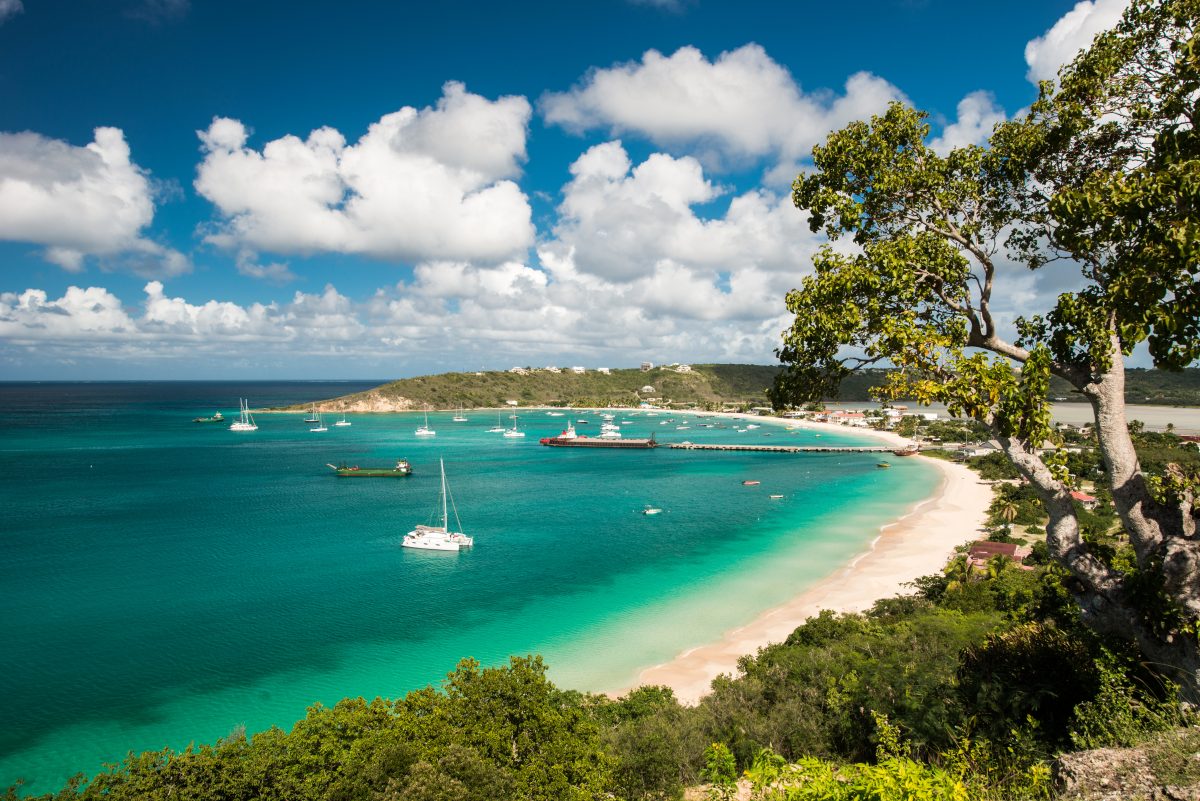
(915, 545)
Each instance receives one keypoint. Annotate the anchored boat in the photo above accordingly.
(439, 538)
(402, 468)
(569, 439)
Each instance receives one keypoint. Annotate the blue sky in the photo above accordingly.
(488, 184)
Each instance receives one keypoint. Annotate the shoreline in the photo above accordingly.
(916, 544)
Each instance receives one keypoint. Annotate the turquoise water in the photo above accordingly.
(163, 582)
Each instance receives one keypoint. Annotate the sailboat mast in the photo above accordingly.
(445, 514)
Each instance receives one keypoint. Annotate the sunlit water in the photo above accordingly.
(163, 582)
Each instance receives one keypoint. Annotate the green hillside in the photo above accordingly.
(705, 385)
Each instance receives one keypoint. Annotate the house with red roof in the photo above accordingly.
(1084, 500)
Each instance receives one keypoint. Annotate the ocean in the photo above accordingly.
(164, 582)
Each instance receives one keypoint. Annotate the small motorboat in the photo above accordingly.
(651, 510)
(751, 483)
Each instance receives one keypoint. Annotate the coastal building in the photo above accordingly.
(982, 552)
(647, 366)
(683, 368)
(552, 370)
(646, 388)
(578, 370)
(1083, 499)
(844, 417)
(512, 403)
(518, 370)
(604, 370)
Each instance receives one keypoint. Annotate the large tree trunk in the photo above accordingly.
(1163, 539)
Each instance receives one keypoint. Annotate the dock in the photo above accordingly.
(689, 446)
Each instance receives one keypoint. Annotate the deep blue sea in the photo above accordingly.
(165, 582)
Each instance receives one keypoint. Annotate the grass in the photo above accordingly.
(1175, 757)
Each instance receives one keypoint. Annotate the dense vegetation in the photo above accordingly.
(709, 386)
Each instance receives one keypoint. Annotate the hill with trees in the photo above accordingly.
(707, 386)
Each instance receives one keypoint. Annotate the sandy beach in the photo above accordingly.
(915, 545)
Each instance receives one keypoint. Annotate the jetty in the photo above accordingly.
(690, 446)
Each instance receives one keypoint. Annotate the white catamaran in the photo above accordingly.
(439, 538)
(425, 430)
(244, 422)
(513, 432)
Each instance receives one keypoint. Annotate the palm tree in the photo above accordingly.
(958, 571)
(997, 565)
(1008, 513)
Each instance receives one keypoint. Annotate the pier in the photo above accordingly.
(688, 446)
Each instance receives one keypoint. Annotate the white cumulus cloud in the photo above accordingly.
(618, 221)
(743, 105)
(1074, 31)
(434, 183)
(978, 113)
(80, 202)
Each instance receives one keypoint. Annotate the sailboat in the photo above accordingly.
(244, 422)
(460, 417)
(343, 422)
(425, 430)
(439, 538)
(313, 417)
(513, 432)
(320, 426)
(499, 427)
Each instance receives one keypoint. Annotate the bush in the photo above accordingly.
(1030, 673)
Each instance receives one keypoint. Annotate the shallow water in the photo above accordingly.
(163, 582)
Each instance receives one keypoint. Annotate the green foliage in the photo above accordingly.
(993, 467)
(1122, 713)
(1016, 503)
(907, 426)
(705, 386)
(493, 733)
(1031, 673)
(815, 693)
(720, 771)
(652, 746)
(955, 430)
(1115, 144)
(893, 779)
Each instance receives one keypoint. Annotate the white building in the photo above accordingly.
(646, 388)
(578, 370)
(604, 370)
(647, 366)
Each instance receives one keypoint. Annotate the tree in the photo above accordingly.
(1103, 173)
(1008, 513)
